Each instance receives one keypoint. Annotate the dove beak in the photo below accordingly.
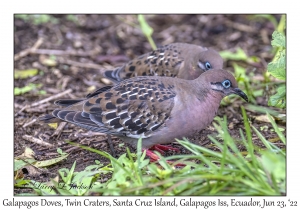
(238, 91)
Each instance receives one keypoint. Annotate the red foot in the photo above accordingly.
(153, 157)
(161, 148)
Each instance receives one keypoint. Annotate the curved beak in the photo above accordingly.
(238, 91)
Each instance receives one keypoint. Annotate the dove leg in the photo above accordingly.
(153, 158)
(111, 146)
(161, 148)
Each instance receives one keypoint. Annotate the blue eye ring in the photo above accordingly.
(226, 83)
(207, 65)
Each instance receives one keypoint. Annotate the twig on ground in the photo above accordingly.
(29, 123)
(240, 26)
(51, 98)
(63, 52)
(72, 148)
(71, 96)
(34, 50)
(37, 141)
(41, 108)
(91, 133)
(65, 82)
(25, 52)
(59, 129)
(51, 154)
(81, 65)
(21, 110)
(63, 147)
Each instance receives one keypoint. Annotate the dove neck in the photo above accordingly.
(203, 91)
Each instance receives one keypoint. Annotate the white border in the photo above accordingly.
(153, 6)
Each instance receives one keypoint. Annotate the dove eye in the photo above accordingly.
(226, 83)
(207, 65)
(204, 66)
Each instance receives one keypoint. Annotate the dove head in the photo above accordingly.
(222, 82)
(209, 59)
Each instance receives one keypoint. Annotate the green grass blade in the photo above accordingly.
(112, 159)
(268, 144)
(279, 133)
(140, 157)
(147, 30)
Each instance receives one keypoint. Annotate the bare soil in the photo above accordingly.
(83, 46)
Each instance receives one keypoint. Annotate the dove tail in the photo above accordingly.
(67, 102)
(49, 118)
(114, 75)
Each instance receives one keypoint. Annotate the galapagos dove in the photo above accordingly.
(185, 61)
(157, 109)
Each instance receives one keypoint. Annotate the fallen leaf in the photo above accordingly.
(47, 61)
(91, 89)
(27, 154)
(53, 125)
(49, 162)
(231, 125)
(23, 74)
(106, 81)
(263, 118)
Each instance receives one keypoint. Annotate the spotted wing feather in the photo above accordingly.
(165, 61)
(133, 108)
